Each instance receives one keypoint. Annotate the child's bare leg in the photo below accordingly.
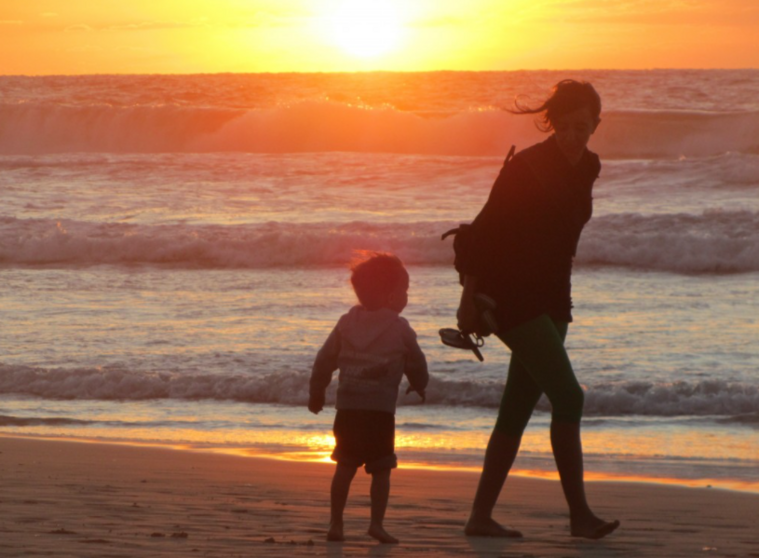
(380, 493)
(341, 484)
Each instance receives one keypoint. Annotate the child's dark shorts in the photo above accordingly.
(365, 438)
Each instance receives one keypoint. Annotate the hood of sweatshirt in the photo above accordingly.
(362, 327)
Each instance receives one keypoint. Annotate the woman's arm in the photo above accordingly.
(416, 364)
(498, 228)
(467, 313)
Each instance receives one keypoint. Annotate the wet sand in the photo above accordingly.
(62, 498)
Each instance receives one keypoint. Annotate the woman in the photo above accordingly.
(523, 243)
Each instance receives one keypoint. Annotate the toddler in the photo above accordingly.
(373, 347)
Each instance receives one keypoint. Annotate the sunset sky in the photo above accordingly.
(192, 36)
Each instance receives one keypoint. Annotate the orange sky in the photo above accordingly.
(192, 36)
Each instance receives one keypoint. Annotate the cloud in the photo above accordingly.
(257, 20)
(442, 21)
(152, 25)
(78, 28)
(139, 26)
(267, 18)
(85, 48)
(654, 12)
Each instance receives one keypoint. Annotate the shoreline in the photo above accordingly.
(96, 499)
(737, 486)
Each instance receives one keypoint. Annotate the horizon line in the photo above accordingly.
(321, 72)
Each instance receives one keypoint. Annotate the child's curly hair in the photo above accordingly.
(374, 275)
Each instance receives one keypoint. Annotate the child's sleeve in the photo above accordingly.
(325, 363)
(416, 363)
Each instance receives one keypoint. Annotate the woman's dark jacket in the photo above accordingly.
(524, 239)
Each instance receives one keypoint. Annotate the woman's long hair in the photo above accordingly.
(568, 96)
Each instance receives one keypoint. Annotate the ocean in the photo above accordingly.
(174, 250)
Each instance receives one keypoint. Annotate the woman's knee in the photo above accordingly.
(517, 404)
(511, 425)
(568, 408)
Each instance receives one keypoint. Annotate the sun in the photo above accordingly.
(366, 28)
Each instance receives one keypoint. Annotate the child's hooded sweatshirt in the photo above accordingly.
(372, 350)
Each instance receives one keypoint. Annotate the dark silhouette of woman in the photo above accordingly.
(522, 246)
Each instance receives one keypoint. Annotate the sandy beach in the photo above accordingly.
(62, 498)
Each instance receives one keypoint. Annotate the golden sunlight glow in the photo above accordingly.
(207, 36)
(366, 28)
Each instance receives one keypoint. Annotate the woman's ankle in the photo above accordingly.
(480, 516)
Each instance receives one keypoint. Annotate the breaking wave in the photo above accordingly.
(631, 398)
(7, 420)
(712, 242)
(318, 126)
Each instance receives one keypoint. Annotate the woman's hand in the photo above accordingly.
(467, 316)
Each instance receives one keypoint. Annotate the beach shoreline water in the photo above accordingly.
(322, 458)
(87, 499)
(171, 264)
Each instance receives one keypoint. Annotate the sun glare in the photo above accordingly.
(366, 28)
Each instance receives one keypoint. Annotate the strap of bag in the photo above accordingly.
(510, 156)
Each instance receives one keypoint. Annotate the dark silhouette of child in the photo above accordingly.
(373, 347)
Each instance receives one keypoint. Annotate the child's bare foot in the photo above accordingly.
(379, 533)
(489, 528)
(335, 533)
(592, 527)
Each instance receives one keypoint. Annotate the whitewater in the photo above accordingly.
(174, 250)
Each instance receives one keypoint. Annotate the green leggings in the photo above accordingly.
(539, 364)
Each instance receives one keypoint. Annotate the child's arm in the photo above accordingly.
(321, 373)
(416, 365)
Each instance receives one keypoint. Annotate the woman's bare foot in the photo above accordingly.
(489, 528)
(335, 532)
(592, 527)
(379, 533)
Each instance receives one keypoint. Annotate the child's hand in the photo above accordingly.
(316, 403)
(422, 393)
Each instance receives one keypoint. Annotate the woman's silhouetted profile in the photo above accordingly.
(522, 246)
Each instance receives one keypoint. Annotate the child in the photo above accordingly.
(373, 347)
